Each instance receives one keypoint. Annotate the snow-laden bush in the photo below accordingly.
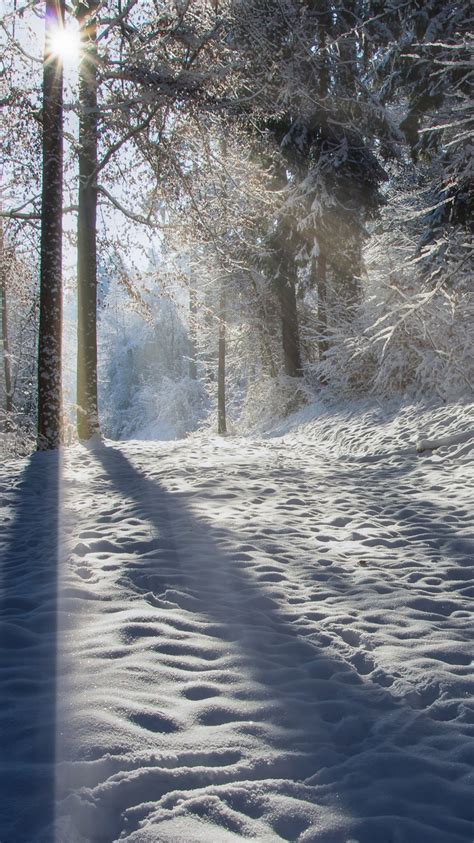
(424, 344)
(417, 343)
(412, 332)
(172, 408)
(18, 352)
(269, 399)
(17, 434)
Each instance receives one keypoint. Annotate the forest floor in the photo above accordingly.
(221, 639)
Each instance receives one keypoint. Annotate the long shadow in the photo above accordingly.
(28, 647)
(333, 728)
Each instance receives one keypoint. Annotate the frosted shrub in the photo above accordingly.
(172, 408)
(349, 365)
(414, 343)
(17, 434)
(269, 399)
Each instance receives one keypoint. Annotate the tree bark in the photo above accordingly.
(7, 368)
(324, 30)
(290, 328)
(348, 73)
(87, 401)
(266, 355)
(347, 68)
(353, 285)
(221, 409)
(50, 321)
(321, 281)
(192, 334)
(285, 242)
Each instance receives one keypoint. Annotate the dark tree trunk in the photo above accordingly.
(266, 355)
(354, 289)
(347, 67)
(324, 31)
(87, 403)
(321, 281)
(7, 368)
(349, 271)
(290, 328)
(221, 361)
(285, 243)
(50, 320)
(221, 414)
(348, 72)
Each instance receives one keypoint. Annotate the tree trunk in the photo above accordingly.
(7, 368)
(50, 321)
(347, 67)
(290, 329)
(192, 334)
(221, 415)
(87, 403)
(286, 246)
(324, 31)
(266, 355)
(348, 73)
(321, 281)
(208, 356)
(353, 284)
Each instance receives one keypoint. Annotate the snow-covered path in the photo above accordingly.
(216, 640)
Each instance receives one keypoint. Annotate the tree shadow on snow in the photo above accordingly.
(329, 724)
(28, 649)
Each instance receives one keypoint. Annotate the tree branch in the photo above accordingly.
(129, 214)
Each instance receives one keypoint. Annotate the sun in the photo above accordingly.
(65, 44)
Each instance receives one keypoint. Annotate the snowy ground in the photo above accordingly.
(226, 639)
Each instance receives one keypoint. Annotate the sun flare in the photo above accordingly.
(65, 43)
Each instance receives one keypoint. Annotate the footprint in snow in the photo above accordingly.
(200, 692)
(155, 722)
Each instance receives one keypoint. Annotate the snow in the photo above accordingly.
(456, 439)
(220, 639)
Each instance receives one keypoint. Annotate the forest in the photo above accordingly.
(259, 201)
(236, 421)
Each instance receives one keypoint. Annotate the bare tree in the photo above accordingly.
(221, 409)
(50, 328)
(87, 412)
(7, 371)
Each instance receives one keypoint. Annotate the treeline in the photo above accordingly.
(306, 165)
